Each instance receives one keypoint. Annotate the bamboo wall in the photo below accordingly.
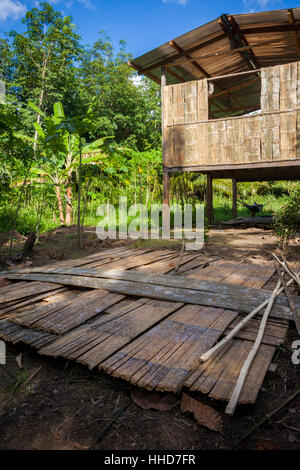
(274, 134)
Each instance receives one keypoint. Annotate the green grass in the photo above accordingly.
(223, 206)
(27, 219)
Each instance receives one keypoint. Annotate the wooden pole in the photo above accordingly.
(213, 351)
(209, 200)
(230, 409)
(290, 299)
(166, 176)
(234, 195)
(166, 188)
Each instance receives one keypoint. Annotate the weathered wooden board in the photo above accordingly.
(7, 311)
(275, 333)
(67, 312)
(94, 342)
(165, 288)
(161, 358)
(16, 334)
(23, 291)
(217, 377)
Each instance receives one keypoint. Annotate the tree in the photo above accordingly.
(43, 60)
(121, 106)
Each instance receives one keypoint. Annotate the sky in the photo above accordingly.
(143, 24)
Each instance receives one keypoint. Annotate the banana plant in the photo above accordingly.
(61, 146)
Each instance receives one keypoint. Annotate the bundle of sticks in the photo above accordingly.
(283, 268)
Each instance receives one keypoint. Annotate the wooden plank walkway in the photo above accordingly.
(126, 312)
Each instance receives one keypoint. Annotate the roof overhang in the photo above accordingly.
(227, 45)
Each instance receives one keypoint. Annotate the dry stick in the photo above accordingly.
(211, 352)
(289, 298)
(292, 272)
(34, 373)
(96, 445)
(230, 409)
(180, 256)
(287, 268)
(266, 418)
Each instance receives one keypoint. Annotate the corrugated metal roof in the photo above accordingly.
(274, 42)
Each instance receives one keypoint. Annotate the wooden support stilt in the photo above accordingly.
(166, 176)
(166, 188)
(209, 200)
(166, 205)
(234, 198)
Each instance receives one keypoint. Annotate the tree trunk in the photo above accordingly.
(59, 203)
(79, 195)
(69, 206)
(69, 199)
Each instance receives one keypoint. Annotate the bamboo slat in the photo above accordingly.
(93, 343)
(16, 334)
(162, 357)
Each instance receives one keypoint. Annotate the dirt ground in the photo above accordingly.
(65, 406)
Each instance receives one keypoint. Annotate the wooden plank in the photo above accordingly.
(28, 315)
(224, 387)
(93, 343)
(236, 271)
(8, 311)
(218, 376)
(270, 89)
(64, 316)
(16, 334)
(275, 333)
(162, 357)
(28, 290)
(230, 298)
(165, 266)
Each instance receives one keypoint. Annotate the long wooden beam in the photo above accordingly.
(234, 39)
(235, 50)
(174, 74)
(147, 74)
(237, 74)
(238, 166)
(190, 58)
(296, 35)
(243, 40)
(191, 50)
(271, 29)
(234, 88)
